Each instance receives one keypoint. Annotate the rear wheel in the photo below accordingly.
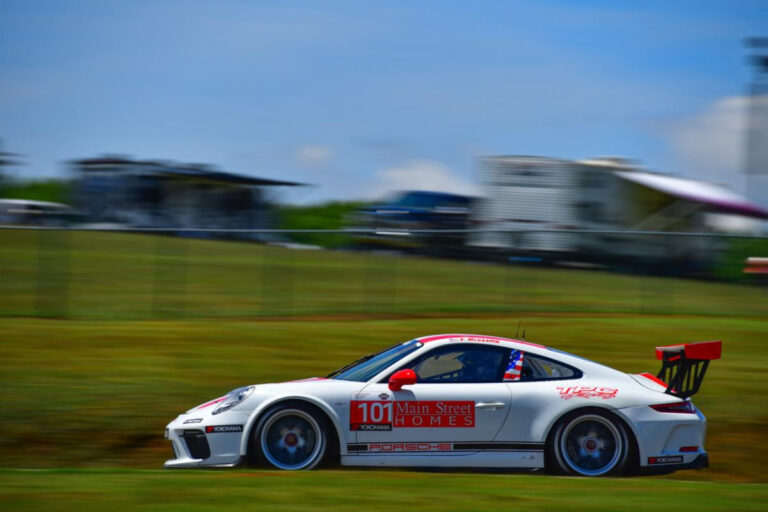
(590, 443)
(291, 436)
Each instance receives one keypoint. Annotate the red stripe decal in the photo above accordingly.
(654, 378)
(477, 337)
(220, 399)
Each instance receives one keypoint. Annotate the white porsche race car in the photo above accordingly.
(460, 400)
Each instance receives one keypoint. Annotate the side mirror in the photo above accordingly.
(402, 378)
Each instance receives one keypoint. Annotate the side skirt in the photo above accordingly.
(420, 454)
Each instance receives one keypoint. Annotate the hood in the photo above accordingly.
(312, 385)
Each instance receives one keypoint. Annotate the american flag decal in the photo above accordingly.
(515, 366)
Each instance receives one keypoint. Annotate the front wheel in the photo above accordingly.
(590, 443)
(290, 437)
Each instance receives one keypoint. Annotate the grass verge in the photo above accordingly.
(342, 490)
(99, 393)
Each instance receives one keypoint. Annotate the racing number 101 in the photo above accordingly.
(378, 411)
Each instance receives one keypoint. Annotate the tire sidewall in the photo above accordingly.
(256, 452)
(556, 461)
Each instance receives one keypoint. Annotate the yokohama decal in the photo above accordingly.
(225, 429)
(376, 415)
(666, 459)
(587, 392)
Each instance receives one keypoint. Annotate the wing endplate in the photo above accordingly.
(683, 366)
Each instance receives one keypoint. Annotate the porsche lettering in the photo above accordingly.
(409, 447)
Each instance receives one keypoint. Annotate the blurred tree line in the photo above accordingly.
(52, 190)
(331, 215)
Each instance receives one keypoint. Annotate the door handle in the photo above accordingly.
(490, 405)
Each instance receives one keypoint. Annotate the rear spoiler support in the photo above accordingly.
(683, 366)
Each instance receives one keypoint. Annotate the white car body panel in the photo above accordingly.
(489, 401)
(511, 419)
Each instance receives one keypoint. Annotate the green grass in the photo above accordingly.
(95, 387)
(354, 491)
(81, 393)
(114, 276)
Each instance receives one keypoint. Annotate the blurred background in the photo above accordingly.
(200, 195)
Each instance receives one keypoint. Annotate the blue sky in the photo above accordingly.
(362, 97)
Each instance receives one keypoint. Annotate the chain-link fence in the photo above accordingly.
(146, 273)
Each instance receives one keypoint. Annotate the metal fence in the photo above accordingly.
(117, 274)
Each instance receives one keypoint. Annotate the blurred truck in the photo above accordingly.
(392, 222)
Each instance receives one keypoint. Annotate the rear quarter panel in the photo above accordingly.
(537, 406)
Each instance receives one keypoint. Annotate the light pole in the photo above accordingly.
(756, 140)
(6, 160)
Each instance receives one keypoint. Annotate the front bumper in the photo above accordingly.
(214, 441)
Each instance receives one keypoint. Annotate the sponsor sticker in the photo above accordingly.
(479, 339)
(427, 446)
(409, 447)
(587, 392)
(666, 459)
(377, 415)
(373, 428)
(223, 429)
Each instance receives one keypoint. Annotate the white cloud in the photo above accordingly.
(711, 144)
(420, 175)
(313, 155)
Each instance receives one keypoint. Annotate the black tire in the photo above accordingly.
(589, 442)
(291, 436)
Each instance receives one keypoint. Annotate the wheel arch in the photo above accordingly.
(323, 407)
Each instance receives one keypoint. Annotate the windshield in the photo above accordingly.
(369, 366)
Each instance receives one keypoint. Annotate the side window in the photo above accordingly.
(525, 367)
(461, 364)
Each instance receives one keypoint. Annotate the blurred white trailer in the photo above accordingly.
(539, 193)
(527, 192)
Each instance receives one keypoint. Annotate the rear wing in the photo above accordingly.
(683, 366)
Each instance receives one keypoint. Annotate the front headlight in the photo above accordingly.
(233, 398)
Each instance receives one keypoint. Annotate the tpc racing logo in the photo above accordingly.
(587, 392)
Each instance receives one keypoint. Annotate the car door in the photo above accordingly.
(458, 403)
